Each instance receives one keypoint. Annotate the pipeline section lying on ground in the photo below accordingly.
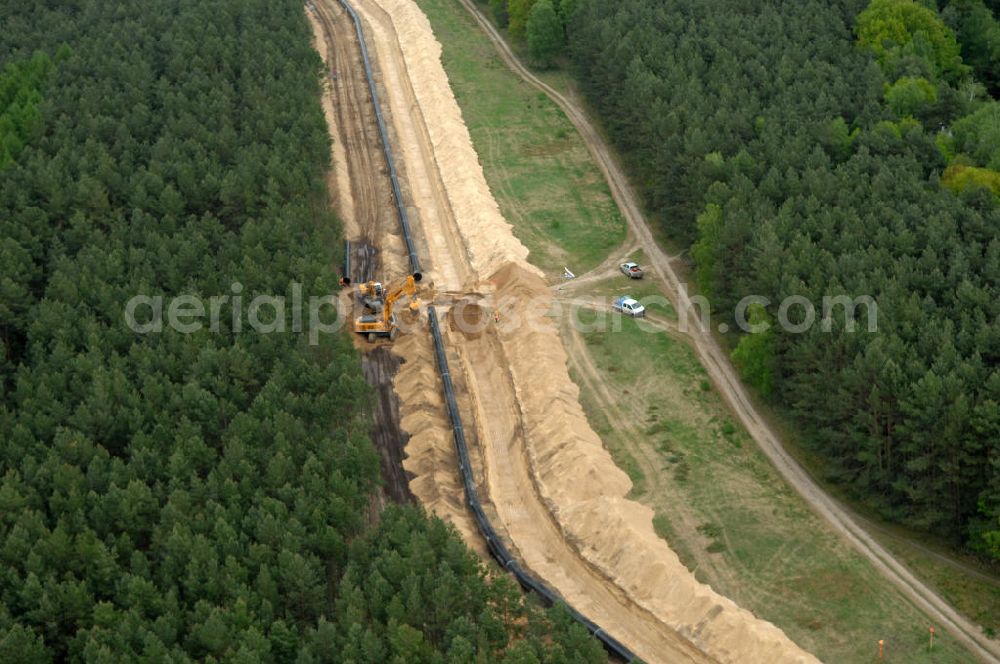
(493, 541)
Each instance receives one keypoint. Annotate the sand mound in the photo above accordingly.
(431, 457)
(586, 491)
(488, 241)
(653, 575)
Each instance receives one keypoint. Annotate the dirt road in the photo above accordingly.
(361, 193)
(723, 375)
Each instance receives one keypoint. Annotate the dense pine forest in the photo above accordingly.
(821, 148)
(204, 496)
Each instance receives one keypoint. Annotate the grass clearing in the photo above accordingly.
(536, 164)
(976, 597)
(729, 515)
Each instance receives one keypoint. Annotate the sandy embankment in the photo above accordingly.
(605, 558)
(585, 491)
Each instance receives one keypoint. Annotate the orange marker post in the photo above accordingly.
(881, 649)
(930, 646)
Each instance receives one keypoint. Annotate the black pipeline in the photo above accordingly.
(493, 541)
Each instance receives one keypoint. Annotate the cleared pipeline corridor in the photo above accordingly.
(494, 543)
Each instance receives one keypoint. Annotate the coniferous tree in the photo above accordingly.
(544, 33)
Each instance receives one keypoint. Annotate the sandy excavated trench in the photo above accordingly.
(363, 198)
(558, 495)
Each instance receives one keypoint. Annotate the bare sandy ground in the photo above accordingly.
(339, 178)
(556, 491)
(586, 492)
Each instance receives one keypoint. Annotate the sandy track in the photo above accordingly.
(428, 205)
(609, 267)
(464, 229)
(723, 375)
(363, 196)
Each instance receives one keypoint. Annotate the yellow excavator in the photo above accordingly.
(381, 300)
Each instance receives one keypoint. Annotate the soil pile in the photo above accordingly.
(585, 491)
(431, 457)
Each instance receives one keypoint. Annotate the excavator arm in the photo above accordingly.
(408, 287)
